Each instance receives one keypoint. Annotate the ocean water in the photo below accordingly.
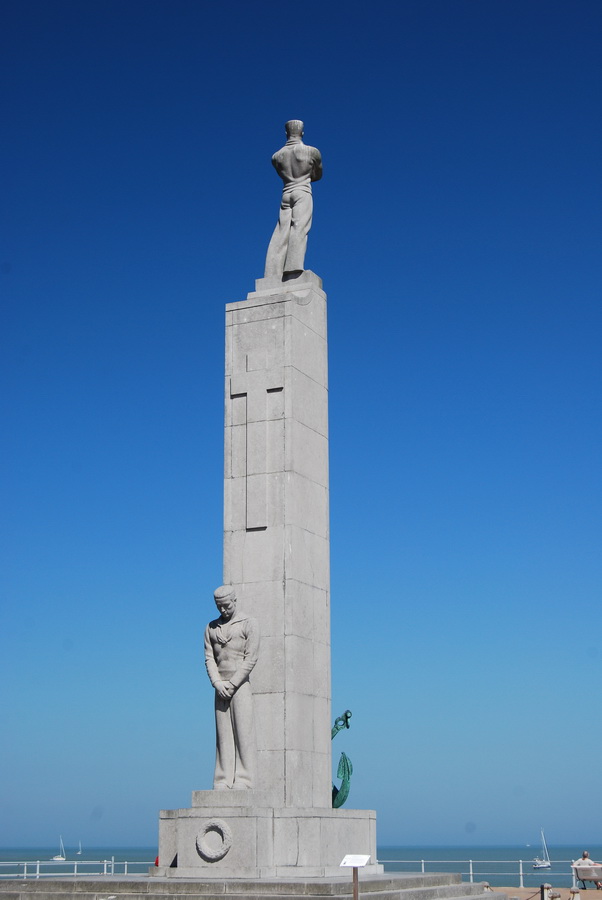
(499, 865)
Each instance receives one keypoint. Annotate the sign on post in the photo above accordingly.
(356, 861)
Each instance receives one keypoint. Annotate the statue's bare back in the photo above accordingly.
(298, 165)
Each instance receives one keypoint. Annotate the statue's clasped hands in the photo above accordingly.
(225, 689)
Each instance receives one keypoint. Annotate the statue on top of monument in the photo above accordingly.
(231, 651)
(298, 165)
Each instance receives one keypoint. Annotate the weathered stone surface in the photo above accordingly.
(275, 340)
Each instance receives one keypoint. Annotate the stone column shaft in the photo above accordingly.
(276, 526)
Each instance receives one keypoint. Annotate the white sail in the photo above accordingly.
(543, 861)
(61, 854)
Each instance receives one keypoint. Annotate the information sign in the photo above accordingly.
(357, 860)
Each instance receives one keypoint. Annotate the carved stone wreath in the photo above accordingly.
(209, 853)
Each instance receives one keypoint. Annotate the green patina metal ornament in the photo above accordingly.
(345, 769)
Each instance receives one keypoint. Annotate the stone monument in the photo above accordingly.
(270, 811)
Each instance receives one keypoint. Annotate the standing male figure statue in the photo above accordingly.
(298, 165)
(231, 651)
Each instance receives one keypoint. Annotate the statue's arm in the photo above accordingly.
(210, 663)
(251, 653)
(316, 172)
(277, 163)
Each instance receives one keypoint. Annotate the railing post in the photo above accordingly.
(125, 868)
(37, 868)
(75, 868)
(25, 870)
(422, 861)
(105, 867)
(521, 877)
(112, 865)
(471, 873)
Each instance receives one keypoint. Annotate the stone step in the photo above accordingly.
(403, 886)
(384, 894)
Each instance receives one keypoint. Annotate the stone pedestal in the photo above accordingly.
(240, 841)
(277, 554)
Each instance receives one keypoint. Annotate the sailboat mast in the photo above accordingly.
(544, 847)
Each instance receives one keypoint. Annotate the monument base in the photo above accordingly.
(235, 837)
(390, 886)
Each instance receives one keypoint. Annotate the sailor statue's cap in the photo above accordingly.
(225, 592)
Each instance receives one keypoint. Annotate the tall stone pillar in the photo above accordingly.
(276, 533)
(276, 554)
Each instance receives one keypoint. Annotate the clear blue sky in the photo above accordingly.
(457, 229)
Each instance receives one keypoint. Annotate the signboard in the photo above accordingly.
(357, 860)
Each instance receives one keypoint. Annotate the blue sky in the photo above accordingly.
(457, 229)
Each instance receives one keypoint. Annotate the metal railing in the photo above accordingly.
(50, 868)
(470, 870)
(488, 870)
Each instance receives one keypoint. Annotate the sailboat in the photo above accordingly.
(61, 854)
(543, 861)
(79, 852)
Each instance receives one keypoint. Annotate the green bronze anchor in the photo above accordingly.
(345, 769)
